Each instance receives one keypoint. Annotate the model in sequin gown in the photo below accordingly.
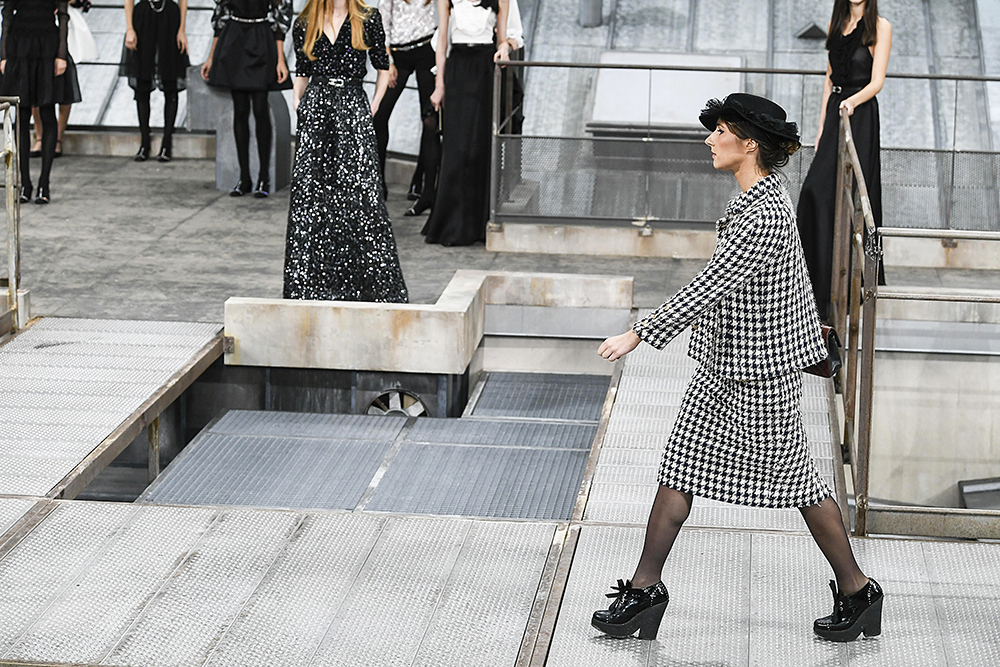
(339, 243)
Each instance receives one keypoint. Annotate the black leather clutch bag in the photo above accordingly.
(829, 366)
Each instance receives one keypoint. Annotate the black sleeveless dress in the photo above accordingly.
(851, 70)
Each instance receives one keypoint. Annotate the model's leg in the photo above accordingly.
(23, 140)
(430, 145)
(827, 528)
(262, 125)
(64, 111)
(857, 600)
(241, 131)
(37, 124)
(142, 91)
(669, 512)
(169, 118)
(49, 134)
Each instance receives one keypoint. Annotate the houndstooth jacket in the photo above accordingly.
(752, 307)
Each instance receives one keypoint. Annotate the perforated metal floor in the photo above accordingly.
(135, 585)
(743, 598)
(542, 396)
(277, 459)
(68, 383)
(648, 399)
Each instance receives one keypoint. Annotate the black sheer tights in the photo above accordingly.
(429, 161)
(142, 94)
(243, 102)
(49, 137)
(671, 508)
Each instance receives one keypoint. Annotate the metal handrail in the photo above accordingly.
(12, 186)
(858, 245)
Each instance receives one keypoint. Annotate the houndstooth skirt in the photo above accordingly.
(742, 442)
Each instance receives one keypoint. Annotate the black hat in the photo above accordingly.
(759, 112)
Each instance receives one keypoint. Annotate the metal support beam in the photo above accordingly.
(153, 435)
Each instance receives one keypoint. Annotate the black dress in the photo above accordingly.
(156, 62)
(339, 243)
(246, 55)
(851, 70)
(462, 206)
(30, 42)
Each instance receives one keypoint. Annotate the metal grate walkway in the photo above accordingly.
(67, 384)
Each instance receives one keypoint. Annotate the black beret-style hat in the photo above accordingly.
(759, 112)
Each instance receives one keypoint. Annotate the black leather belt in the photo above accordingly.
(335, 81)
(409, 46)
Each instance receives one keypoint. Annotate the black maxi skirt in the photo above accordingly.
(156, 61)
(462, 206)
(817, 200)
(339, 244)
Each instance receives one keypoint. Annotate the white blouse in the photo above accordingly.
(407, 22)
(472, 24)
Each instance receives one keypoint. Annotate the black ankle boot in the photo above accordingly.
(26, 194)
(142, 154)
(43, 195)
(633, 609)
(166, 152)
(852, 614)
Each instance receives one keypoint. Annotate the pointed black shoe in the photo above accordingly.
(263, 188)
(633, 609)
(142, 154)
(417, 208)
(43, 195)
(166, 154)
(242, 188)
(414, 193)
(25, 194)
(852, 614)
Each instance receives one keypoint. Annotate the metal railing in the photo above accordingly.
(12, 187)
(855, 295)
(646, 173)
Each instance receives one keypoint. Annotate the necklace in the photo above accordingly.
(158, 9)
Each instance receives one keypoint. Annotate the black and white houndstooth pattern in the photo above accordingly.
(742, 442)
(752, 307)
(739, 436)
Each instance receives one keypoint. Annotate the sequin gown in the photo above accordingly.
(339, 243)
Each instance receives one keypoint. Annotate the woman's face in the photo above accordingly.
(729, 152)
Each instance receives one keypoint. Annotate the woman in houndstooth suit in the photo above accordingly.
(739, 436)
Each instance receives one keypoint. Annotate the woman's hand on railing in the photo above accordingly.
(503, 53)
(437, 97)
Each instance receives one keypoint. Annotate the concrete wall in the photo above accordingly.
(936, 421)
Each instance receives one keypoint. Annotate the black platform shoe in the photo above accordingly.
(25, 194)
(142, 154)
(414, 193)
(43, 195)
(263, 188)
(852, 614)
(633, 609)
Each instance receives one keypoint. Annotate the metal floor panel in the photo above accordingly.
(543, 396)
(482, 481)
(68, 384)
(306, 425)
(265, 471)
(115, 587)
(44, 564)
(207, 592)
(285, 620)
(11, 511)
(502, 433)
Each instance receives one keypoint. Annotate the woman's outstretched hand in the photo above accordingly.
(616, 347)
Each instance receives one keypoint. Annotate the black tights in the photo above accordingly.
(243, 101)
(142, 93)
(671, 508)
(49, 137)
